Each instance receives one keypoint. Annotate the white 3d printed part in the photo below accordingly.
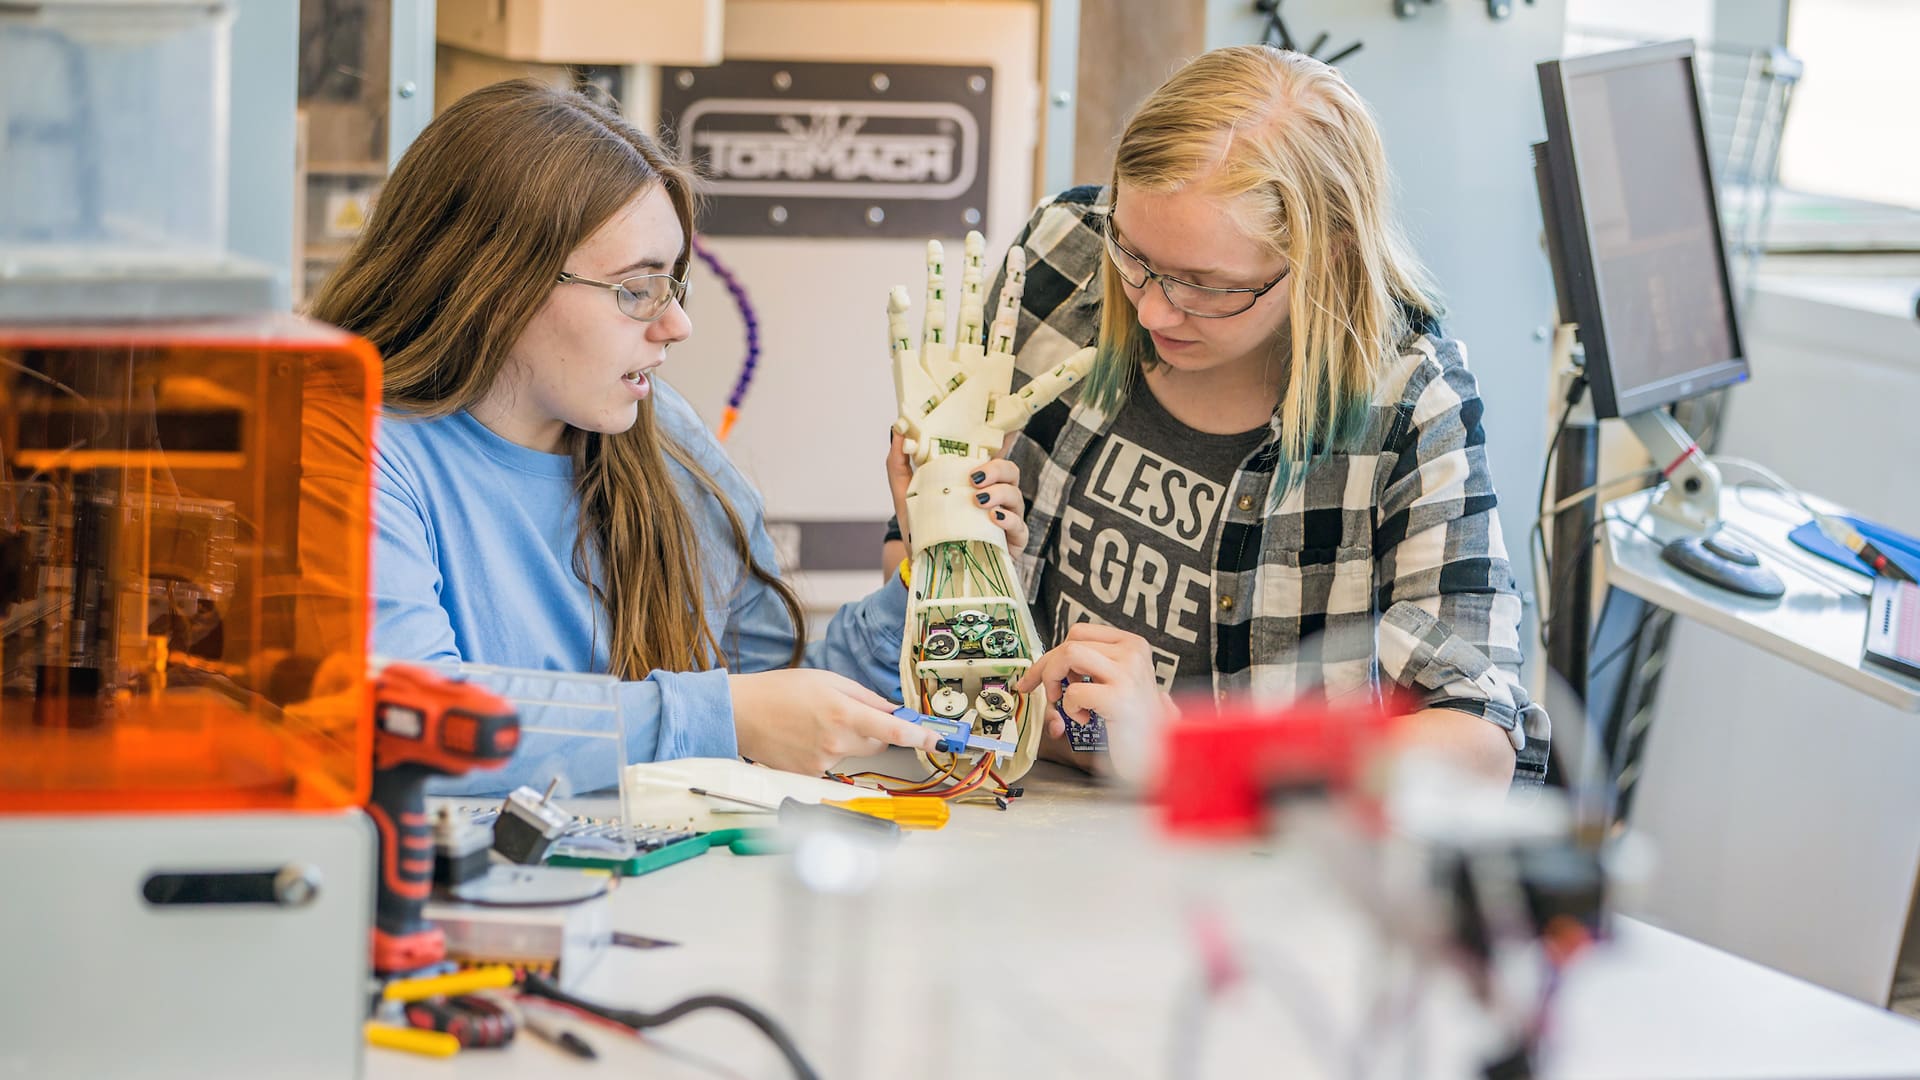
(657, 792)
(968, 629)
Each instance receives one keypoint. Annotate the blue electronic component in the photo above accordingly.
(1087, 737)
(956, 736)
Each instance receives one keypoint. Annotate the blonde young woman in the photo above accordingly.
(542, 499)
(1274, 481)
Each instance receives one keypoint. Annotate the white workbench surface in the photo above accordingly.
(1085, 961)
(1820, 624)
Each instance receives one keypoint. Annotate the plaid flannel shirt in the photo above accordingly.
(1386, 562)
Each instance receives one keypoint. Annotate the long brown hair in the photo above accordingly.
(463, 248)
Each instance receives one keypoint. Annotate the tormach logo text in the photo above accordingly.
(821, 149)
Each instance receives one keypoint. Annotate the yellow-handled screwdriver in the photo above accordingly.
(907, 813)
(910, 812)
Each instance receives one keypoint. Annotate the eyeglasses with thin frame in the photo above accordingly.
(1199, 301)
(644, 298)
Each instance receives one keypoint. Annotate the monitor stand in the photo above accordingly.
(1692, 500)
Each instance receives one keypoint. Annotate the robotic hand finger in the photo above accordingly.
(949, 385)
(1011, 411)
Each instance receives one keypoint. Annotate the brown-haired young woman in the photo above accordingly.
(541, 500)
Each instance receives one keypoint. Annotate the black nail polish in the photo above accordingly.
(982, 498)
(999, 515)
(980, 477)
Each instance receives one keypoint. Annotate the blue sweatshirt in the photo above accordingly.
(473, 562)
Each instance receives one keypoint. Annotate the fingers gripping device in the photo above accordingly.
(969, 636)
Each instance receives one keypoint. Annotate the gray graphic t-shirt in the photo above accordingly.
(1134, 546)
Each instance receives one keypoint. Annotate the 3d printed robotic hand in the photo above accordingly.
(969, 636)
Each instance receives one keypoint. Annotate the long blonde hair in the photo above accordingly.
(1283, 137)
(464, 246)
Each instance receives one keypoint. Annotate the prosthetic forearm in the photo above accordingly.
(969, 636)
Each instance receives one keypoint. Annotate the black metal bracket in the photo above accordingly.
(1276, 34)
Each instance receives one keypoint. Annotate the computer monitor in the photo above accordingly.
(1634, 225)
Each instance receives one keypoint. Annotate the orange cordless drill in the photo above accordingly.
(424, 725)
